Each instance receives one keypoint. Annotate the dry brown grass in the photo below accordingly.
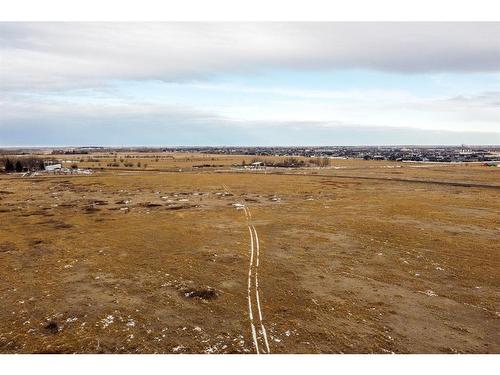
(347, 264)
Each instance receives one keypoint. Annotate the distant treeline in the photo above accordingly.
(293, 162)
(22, 164)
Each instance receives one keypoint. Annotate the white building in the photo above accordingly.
(53, 167)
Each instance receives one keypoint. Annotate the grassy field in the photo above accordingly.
(359, 257)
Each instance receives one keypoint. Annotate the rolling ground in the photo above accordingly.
(351, 259)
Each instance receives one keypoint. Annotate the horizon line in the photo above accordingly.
(246, 146)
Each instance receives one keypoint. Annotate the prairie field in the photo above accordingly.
(188, 255)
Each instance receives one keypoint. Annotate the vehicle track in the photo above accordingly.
(259, 334)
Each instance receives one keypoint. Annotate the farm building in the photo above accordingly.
(53, 167)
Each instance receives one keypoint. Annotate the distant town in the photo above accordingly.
(395, 153)
(441, 154)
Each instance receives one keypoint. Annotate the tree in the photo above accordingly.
(33, 163)
(315, 161)
(19, 166)
(9, 166)
(324, 162)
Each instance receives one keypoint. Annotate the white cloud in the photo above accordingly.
(57, 82)
(52, 55)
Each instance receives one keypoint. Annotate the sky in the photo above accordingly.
(244, 84)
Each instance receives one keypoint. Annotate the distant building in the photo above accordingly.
(53, 167)
(257, 165)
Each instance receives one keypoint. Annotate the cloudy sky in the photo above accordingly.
(249, 84)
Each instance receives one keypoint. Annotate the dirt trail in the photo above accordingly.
(253, 274)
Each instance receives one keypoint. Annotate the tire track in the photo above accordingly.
(253, 274)
(249, 294)
(262, 328)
